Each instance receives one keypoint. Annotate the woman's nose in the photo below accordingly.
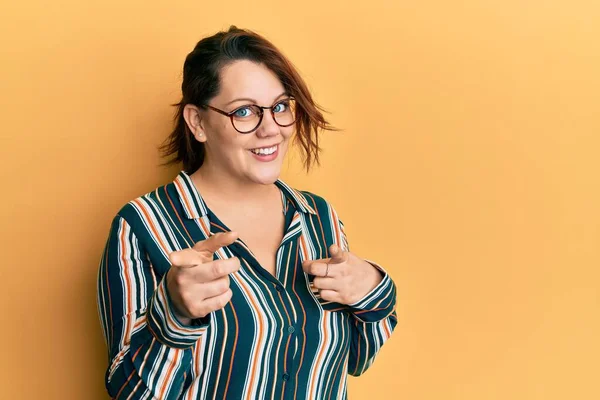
(268, 126)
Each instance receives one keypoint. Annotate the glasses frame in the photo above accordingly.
(260, 116)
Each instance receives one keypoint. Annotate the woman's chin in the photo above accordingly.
(265, 177)
(265, 173)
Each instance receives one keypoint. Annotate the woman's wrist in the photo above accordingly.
(181, 319)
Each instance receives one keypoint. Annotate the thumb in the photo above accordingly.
(209, 246)
(338, 256)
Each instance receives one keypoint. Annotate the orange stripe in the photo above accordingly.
(322, 231)
(155, 336)
(289, 338)
(303, 324)
(339, 364)
(285, 308)
(152, 226)
(218, 226)
(357, 352)
(124, 385)
(177, 214)
(183, 192)
(130, 376)
(357, 312)
(147, 355)
(206, 228)
(338, 236)
(170, 372)
(136, 354)
(153, 275)
(287, 346)
(304, 247)
(129, 300)
(195, 361)
(110, 331)
(260, 335)
(387, 330)
(223, 338)
(235, 318)
(320, 355)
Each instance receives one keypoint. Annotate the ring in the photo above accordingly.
(327, 270)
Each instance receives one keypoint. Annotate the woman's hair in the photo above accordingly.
(201, 82)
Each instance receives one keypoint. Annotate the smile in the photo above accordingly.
(265, 151)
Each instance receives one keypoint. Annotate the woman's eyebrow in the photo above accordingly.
(241, 99)
(253, 100)
(281, 95)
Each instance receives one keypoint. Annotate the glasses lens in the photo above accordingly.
(285, 112)
(246, 119)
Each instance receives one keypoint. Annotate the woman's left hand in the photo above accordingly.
(344, 278)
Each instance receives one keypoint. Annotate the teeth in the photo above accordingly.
(265, 152)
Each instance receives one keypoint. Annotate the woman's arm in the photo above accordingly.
(374, 321)
(374, 314)
(149, 351)
(365, 287)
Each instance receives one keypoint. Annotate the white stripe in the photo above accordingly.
(159, 244)
(173, 223)
(160, 221)
(223, 340)
(211, 344)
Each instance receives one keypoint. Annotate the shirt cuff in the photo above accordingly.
(166, 328)
(379, 303)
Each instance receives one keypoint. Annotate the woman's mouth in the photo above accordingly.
(265, 153)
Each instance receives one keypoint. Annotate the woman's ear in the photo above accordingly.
(193, 119)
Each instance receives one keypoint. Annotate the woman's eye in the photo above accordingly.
(280, 107)
(243, 112)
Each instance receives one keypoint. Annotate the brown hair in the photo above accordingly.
(201, 82)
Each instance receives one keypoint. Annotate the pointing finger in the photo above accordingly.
(208, 247)
(216, 269)
(338, 256)
(186, 258)
(318, 268)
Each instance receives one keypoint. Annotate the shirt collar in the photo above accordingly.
(194, 206)
(296, 197)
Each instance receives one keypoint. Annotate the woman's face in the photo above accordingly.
(233, 153)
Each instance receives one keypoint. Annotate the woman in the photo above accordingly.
(227, 283)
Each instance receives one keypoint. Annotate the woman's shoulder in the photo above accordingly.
(153, 205)
(314, 199)
(324, 217)
(317, 203)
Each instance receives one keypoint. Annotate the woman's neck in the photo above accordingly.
(220, 186)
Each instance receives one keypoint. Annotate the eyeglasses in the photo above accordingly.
(247, 118)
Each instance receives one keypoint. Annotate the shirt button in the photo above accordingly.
(286, 377)
(279, 288)
(291, 329)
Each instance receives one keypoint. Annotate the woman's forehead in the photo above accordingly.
(247, 79)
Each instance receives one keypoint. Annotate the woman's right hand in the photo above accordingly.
(197, 284)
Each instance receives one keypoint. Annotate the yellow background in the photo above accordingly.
(468, 166)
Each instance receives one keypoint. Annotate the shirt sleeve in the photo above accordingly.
(379, 303)
(149, 350)
(374, 316)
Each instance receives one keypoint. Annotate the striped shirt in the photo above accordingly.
(275, 339)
